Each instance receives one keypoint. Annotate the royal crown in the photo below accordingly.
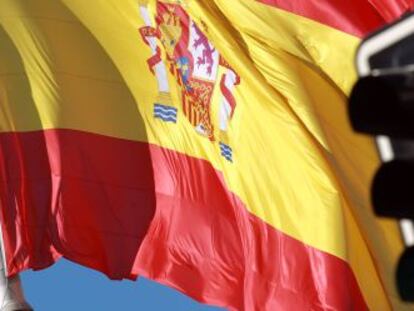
(171, 29)
(169, 18)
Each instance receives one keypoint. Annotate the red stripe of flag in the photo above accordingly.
(356, 17)
(91, 199)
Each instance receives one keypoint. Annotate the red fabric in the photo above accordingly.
(356, 17)
(63, 192)
(91, 198)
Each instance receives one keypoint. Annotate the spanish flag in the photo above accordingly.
(200, 143)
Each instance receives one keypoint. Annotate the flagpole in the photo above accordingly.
(11, 291)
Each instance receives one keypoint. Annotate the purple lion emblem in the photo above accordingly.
(207, 56)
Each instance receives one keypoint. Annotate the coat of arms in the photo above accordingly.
(194, 63)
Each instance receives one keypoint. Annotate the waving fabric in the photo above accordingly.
(201, 143)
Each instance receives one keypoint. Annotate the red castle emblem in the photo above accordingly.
(193, 61)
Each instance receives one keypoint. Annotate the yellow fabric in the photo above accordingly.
(306, 69)
(81, 65)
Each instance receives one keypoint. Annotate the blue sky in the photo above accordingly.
(68, 287)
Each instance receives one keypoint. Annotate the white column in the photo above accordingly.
(159, 69)
(225, 108)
